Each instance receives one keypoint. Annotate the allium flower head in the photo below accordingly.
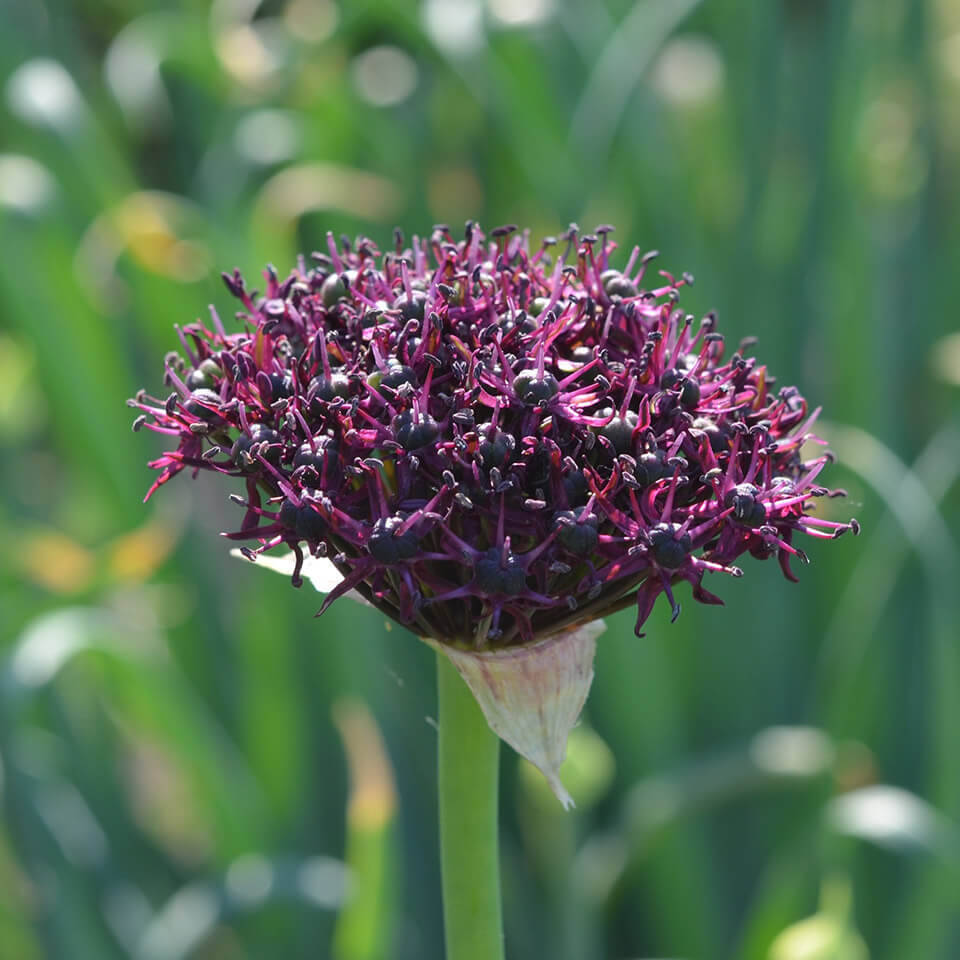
(496, 447)
(491, 443)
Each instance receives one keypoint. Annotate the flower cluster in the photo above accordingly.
(492, 444)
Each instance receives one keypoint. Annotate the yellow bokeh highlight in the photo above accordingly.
(372, 793)
(57, 563)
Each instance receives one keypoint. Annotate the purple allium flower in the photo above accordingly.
(491, 444)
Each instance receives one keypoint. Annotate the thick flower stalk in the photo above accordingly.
(492, 443)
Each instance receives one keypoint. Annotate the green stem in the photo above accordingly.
(468, 772)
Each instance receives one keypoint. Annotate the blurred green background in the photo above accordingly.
(190, 764)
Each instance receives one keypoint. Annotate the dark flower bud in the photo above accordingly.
(538, 463)
(413, 307)
(575, 486)
(281, 385)
(387, 545)
(241, 452)
(326, 456)
(534, 389)
(271, 445)
(310, 525)
(493, 575)
(415, 433)
(397, 375)
(619, 431)
(303, 520)
(520, 321)
(288, 513)
(537, 306)
(747, 507)
(576, 530)
(615, 284)
(205, 376)
(650, 467)
(199, 403)
(495, 449)
(689, 389)
(336, 287)
(716, 436)
(325, 389)
(668, 550)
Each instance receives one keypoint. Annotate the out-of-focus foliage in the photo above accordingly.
(190, 765)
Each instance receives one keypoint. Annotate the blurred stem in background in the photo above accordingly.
(468, 778)
(365, 924)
